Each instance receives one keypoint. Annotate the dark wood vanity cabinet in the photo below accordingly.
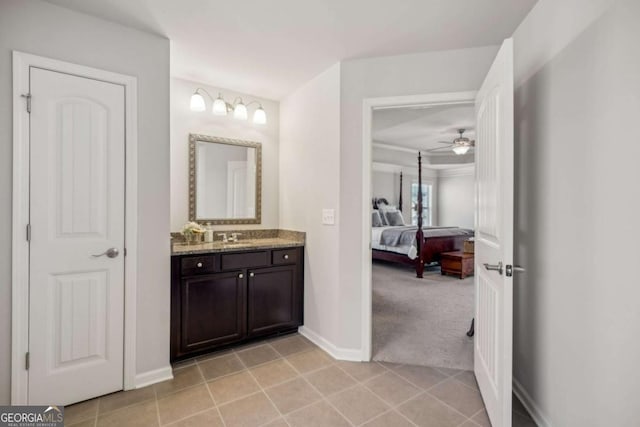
(230, 297)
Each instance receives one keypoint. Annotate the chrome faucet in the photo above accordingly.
(234, 237)
(224, 237)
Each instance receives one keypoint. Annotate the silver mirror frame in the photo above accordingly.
(193, 139)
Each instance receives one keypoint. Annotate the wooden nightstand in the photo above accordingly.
(457, 262)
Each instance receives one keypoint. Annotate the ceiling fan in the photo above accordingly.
(460, 145)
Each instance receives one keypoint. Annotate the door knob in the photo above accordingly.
(494, 267)
(512, 268)
(111, 253)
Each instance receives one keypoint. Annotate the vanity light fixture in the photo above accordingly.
(220, 107)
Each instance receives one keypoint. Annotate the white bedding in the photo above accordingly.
(376, 232)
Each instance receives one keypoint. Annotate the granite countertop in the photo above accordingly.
(280, 239)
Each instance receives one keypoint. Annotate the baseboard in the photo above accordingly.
(152, 377)
(530, 405)
(333, 350)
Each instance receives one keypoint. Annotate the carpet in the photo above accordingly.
(421, 321)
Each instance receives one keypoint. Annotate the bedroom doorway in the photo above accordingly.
(422, 287)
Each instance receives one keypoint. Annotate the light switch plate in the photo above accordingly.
(328, 216)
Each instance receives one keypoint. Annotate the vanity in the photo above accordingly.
(231, 291)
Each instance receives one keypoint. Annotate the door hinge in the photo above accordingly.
(28, 232)
(124, 251)
(26, 361)
(28, 97)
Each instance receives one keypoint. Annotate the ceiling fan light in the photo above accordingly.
(260, 116)
(219, 106)
(460, 149)
(240, 111)
(197, 102)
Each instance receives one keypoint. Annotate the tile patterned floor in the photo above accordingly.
(289, 382)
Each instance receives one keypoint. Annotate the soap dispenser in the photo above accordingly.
(208, 233)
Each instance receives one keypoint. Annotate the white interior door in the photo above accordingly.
(236, 189)
(76, 300)
(494, 238)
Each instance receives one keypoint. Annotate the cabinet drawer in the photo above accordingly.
(244, 260)
(285, 256)
(190, 266)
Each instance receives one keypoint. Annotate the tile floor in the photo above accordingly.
(288, 381)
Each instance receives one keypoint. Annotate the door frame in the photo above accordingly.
(22, 62)
(368, 105)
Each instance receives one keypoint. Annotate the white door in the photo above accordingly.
(494, 237)
(236, 189)
(76, 300)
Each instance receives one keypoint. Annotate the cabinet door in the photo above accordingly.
(274, 299)
(212, 310)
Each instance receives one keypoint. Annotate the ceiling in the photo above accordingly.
(269, 48)
(420, 129)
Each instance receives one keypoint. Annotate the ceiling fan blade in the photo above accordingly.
(439, 149)
(445, 142)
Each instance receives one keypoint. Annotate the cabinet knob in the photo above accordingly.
(251, 274)
(286, 256)
(199, 264)
(240, 276)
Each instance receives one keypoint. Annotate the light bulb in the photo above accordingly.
(259, 116)
(219, 106)
(197, 102)
(460, 149)
(240, 111)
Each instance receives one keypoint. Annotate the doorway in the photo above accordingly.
(423, 320)
(74, 232)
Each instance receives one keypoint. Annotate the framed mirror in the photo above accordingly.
(225, 180)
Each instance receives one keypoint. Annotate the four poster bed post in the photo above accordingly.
(420, 232)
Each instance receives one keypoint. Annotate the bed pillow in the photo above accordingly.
(376, 219)
(394, 218)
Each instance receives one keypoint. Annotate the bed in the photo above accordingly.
(414, 245)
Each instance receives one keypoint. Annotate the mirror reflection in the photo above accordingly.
(224, 180)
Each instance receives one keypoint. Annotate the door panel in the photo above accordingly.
(494, 238)
(76, 301)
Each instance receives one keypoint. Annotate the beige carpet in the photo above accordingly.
(421, 321)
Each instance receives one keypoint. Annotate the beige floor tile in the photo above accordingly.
(81, 411)
(310, 360)
(392, 388)
(273, 373)
(292, 395)
(183, 403)
(214, 354)
(320, 414)
(449, 371)
(140, 415)
(209, 418)
(391, 366)
(482, 419)
(469, 423)
(122, 399)
(220, 366)
(389, 419)
(362, 371)
(422, 376)
(257, 355)
(468, 378)
(183, 363)
(358, 404)
(250, 411)
(233, 387)
(330, 380)
(182, 378)
(425, 410)
(280, 422)
(459, 396)
(292, 344)
(86, 423)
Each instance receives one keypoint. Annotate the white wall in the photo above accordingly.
(44, 29)
(309, 182)
(576, 315)
(434, 72)
(387, 185)
(184, 121)
(456, 198)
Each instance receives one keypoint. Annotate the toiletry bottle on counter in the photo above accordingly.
(208, 233)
